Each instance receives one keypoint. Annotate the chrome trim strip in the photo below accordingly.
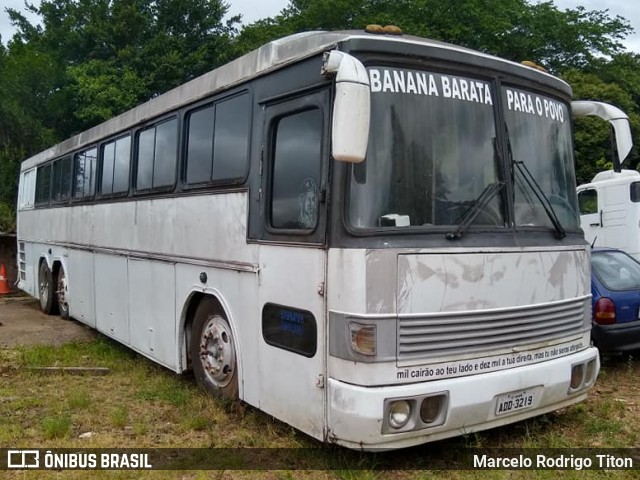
(161, 257)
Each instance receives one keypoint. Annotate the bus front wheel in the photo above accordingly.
(45, 289)
(213, 352)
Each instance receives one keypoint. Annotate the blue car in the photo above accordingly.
(615, 286)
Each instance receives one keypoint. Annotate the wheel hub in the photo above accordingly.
(217, 353)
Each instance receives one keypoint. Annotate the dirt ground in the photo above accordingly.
(22, 323)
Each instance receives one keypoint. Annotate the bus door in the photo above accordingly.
(293, 261)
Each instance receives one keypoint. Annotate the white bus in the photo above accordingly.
(371, 237)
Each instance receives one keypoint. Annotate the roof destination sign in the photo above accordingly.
(393, 80)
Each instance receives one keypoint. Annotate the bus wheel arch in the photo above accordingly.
(212, 347)
(46, 288)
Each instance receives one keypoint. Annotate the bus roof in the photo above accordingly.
(269, 57)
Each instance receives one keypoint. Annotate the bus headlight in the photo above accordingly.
(577, 376)
(399, 413)
(591, 372)
(431, 408)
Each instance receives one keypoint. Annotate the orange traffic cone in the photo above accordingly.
(4, 284)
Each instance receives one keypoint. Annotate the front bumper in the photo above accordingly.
(356, 413)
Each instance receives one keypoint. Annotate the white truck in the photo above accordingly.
(610, 203)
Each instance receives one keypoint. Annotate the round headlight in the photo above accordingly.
(430, 408)
(399, 413)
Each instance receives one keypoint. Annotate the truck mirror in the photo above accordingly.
(616, 117)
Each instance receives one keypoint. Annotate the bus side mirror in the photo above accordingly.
(351, 108)
(616, 117)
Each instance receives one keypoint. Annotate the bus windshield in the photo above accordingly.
(432, 153)
(539, 135)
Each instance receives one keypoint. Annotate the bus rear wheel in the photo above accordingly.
(213, 352)
(62, 293)
(45, 289)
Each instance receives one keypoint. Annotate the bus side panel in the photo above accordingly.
(237, 293)
(80, 277)
(291, 383)
(111, 287)
(151, 301)
(31, 270)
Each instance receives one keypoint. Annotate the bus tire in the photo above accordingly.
(45, 289)
(62, 293)
(213, 352)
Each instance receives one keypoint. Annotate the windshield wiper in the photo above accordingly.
(476, 207)
(537, 190)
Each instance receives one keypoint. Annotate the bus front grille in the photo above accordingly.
(454, 333)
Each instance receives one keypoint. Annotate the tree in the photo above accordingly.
(512, 29)
(593, 135)
(89, 60)
(113, 54)
(25, 94)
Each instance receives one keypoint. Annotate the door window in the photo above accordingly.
(296, 173)
(588, 201)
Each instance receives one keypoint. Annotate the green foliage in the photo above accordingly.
(513, 29)
(7, 218)
(593, 135)
(102, 90)
(90, 60)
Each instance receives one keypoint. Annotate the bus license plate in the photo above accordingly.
(514, 401)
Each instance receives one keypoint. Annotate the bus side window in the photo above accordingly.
(297, 155)
(157, 155)
(85, 174)
(116, 156)
(43, 184)
(61, 184)
(219, 155)
(27, 189)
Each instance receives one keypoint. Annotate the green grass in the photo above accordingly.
(55, 427)
(119, 416)
(139, 404)
(99, 353)
(166, 389)
(78, 399)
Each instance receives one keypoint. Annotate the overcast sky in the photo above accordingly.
(252, 10)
